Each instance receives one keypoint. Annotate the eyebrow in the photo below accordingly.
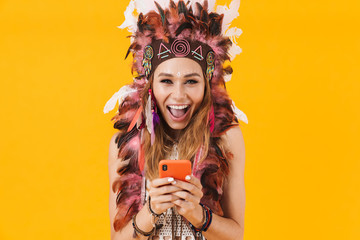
(170, 75)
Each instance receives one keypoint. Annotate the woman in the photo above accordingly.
(177, 108)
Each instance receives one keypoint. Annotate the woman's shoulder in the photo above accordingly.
(233, 137)
(233, 141)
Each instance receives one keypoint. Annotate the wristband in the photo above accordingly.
(138, 230)
(208, 220)
(151, 211)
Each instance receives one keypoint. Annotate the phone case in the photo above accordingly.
(177, 169)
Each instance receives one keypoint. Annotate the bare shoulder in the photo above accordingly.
(233, 201)
(234, 140)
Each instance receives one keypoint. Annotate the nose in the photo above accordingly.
(179, 92)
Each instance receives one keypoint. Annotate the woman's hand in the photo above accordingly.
(161, 192)
(188, 200)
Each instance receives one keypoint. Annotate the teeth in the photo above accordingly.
(178, 107)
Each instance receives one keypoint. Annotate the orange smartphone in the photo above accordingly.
(177, 169)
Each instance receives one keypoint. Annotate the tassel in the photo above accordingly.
(156, 120)
(148, 114)
(141, 156)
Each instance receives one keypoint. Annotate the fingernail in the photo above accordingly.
(170, 179)
(187, 177)
(174, 182)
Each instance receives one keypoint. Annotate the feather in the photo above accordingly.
(230, 13)
(156, 120)
(239, 114)
(182, 27)
(162, 14)
(126, 137)
(211, 119)
(141, 159)
(119, 96)
(233, 33)
(215, 24)
(129, 50)
(145, 6)
(135, 119)
(204, 16)
(182, 8)
(199, 9)
(130, 19)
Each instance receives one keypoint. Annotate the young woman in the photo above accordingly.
(177, 108)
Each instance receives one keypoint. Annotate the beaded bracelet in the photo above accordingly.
(138, 230)
(206, 225)
(151, 211)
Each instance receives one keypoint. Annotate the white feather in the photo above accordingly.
(233, 33)
(211, 5)
(230, 13)
(227, 77)
(130, 19)
(233, 51)
(239, 114)
(145, 6)
(119, 96)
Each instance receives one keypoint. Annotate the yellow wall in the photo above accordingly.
(297, 80)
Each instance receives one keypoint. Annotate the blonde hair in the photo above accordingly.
(193, 136)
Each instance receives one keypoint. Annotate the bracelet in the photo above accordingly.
(138, 230)
(208, 220)
(151, 211)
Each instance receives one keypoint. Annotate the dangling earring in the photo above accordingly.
(152, 118)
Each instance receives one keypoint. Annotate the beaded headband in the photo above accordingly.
(159, 51)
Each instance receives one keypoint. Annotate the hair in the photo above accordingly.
(193, 136)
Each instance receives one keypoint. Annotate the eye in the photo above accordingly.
(168, 81)
(191, 81)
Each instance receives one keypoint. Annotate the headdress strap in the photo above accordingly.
(160, 50)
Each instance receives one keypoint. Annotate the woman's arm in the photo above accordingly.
(143, 218)
(161, 199)
(233, 202)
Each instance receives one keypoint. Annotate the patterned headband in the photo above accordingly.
(160, 50)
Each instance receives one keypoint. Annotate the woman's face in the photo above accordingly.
(178, 88)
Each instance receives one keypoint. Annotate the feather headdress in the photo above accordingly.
(193, 21)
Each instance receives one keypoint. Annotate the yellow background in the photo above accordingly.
(297, 80)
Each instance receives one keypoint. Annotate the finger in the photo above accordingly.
(167, 189)
(161, 207)
(161, 181)
(194, 180)
(184, 207)
(183, 195)
(164, 198)
(195, 190)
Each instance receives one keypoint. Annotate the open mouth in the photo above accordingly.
(178, 111)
